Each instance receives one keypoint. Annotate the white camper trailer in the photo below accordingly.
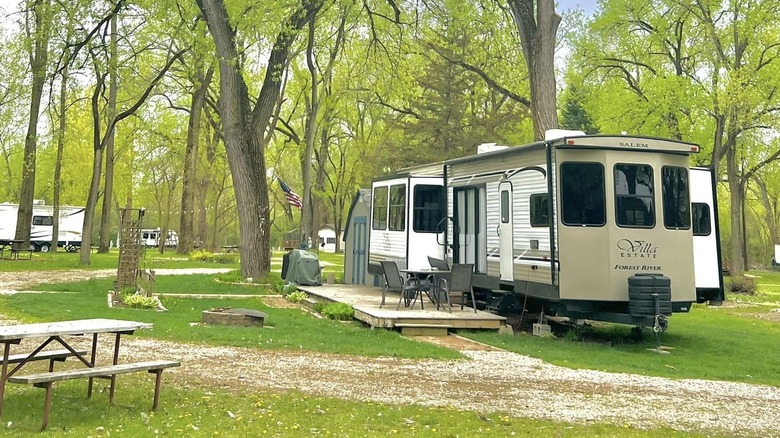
(71, 222)
(152, 237)
(616, 208)
(407, 218)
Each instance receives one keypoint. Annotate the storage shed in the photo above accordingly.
(355, 240)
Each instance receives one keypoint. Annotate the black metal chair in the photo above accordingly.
(410, 289)
(459, 285)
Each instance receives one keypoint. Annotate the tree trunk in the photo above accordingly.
(308, 210)
(735, 207)
(769, 211)
(108, 185)
(55, 233)
(38, 62)
(244, 129)
(187, 220)
(537, 38)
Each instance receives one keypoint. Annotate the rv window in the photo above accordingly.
(379, 209)
(582, 194)
(397, 221)
(146, 235)
(677, 204)
(504, 206)
(634, 200)
(540, 210)
(701, 219)
(43, 220)
(428, 208)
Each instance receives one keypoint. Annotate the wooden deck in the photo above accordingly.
(365, 300)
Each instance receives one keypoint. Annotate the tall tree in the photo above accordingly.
(537, 23)
(244, 126)
(38, 26)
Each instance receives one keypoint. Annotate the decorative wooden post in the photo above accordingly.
(129, 250)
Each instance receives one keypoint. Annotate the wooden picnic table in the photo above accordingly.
(55, 332)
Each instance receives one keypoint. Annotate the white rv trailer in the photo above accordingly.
(615, 206)
(151, 237)
(71, 221)
(407, 217)
(706, 244)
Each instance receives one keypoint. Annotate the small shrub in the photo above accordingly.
(318, 307)
(742, 285)
(339, 311)
(203, 256)
(140, 301)
(297, 296)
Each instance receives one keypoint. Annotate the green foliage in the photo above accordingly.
(138, 301)
(214, 257)
(233, 276)
(741, 285)
(574, 115)
(338, 311)
(297, 297)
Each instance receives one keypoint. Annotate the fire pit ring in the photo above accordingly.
(237, 317)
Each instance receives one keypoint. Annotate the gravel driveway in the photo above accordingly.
(489, 380)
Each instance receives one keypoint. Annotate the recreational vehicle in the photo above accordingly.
(617, 210)
(151, 237)
(71, 221)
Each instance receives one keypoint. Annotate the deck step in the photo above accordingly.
(423, 329)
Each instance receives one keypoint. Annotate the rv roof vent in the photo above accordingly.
(489, 147)
(39, 202)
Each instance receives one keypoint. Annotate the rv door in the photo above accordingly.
(505, 232)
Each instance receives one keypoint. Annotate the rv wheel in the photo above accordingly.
(44, 247)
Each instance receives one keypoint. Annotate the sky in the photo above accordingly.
(588, 6)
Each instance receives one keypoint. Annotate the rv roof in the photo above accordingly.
(431, 169)
(627, 142)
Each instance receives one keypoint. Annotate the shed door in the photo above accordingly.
(359, 247)
(505, 231)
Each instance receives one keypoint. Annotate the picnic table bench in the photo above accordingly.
(56, 332)
(46, 380)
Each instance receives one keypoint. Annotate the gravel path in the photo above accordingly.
(489, 380)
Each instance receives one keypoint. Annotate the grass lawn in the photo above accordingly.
(726, 343)
(193, 411)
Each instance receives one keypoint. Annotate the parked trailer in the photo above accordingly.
(71, 222)
(151, 237)
(614, 206)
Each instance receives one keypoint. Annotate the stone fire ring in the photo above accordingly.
(237, 317)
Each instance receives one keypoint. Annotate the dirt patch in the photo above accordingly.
(456, 342)
(280, 302)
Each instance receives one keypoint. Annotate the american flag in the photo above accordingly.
(292, 197)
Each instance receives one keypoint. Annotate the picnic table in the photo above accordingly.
(55, 333)
(14, 248)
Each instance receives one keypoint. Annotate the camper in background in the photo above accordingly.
(71, 222)
(151, 237)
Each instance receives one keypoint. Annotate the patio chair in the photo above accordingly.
(440, 265)
(459, 285)
(410, 289)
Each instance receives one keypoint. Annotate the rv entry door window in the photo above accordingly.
(428, 207)
(582, 194)
(634, 200)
